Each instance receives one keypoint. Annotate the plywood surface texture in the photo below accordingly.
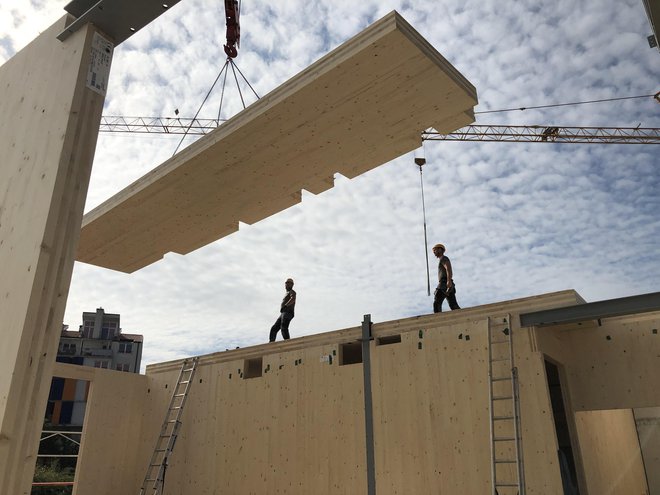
(362, 105)
(48, 128)
(299, 428)
(608, 366)
(648, 427)
(113, 422)
(611, 452)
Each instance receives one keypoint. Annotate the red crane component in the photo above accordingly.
(233, 28)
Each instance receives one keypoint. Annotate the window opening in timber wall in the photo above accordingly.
(389, 339)
(253, 367)
(350, 353)
(61, 435)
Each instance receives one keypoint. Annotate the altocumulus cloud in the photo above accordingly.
(518, 219)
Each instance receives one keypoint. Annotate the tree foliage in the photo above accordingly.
(49, 472)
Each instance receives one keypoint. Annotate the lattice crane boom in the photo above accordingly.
(486, 133)
(550, 134)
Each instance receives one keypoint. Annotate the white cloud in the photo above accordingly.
(518, 219)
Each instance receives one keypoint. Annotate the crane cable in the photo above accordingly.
(234, 68)
(553, 105)
(420, 162)
(229, 62)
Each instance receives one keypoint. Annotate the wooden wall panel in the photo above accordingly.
(296, 429)
(610, 450)
(299, 428)
(612, 365)
(609, 364)
(48, 128)
(111, 429)
(647, 421)
(363, 104)
(431, 411)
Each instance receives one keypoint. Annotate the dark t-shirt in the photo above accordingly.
(288, 309)
(442, 271)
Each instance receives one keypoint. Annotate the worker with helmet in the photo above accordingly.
(446, 288)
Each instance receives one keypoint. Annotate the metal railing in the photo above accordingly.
(68, 436)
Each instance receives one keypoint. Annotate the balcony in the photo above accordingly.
(97, 352)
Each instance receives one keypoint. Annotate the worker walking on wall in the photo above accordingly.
(446, 288)
(286, 312)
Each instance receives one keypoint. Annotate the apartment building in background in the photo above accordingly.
(99, 343)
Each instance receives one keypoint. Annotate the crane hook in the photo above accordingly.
(233, 28)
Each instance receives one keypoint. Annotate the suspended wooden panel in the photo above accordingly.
(362, 105)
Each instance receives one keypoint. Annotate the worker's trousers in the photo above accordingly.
(441, 294)
(282, 323)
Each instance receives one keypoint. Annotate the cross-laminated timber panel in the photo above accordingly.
(299, 427)
(49, 119)
(362, 105)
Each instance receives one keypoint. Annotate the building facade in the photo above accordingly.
(99, 343)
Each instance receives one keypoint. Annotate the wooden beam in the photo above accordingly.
(362, 105)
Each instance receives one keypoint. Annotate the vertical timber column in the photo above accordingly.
(49, 120)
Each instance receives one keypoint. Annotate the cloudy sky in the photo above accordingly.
(518, 219)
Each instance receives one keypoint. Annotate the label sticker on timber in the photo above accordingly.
(100, 58)
(325, 358)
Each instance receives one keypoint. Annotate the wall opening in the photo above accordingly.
(61, 435)
(389, 339)
(350, 353)
(565, 453)
(253, 367)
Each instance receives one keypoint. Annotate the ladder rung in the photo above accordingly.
(500, 359)
(188, 369)
(503, 398)
(507, 461)
(501, 378)
(501, 418)
(174, 421)
(506, 484)
(186, 381)
(503, 439)
(499, 341)
(175, 408)
(179, 395)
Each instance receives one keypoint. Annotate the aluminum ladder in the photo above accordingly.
(507, 471)
(155, 477)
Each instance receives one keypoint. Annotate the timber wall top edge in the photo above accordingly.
(383, 329)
